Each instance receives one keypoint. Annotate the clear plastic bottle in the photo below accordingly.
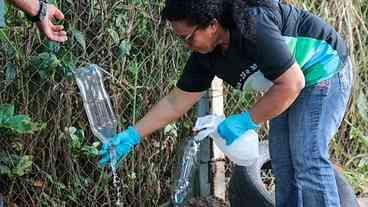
(99, 111)
(96, 102)
(187, 167)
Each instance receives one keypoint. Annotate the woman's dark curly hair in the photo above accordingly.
(229, 13)
(202, 12)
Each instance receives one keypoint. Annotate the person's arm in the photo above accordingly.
(281, 95)
(28, 6)
(170, 108)
(278, 98)
(53, 32)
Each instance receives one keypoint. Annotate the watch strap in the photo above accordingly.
(41, 12)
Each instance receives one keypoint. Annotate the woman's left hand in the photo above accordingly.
(234, 126)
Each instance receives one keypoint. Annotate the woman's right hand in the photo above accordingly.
(122, 143)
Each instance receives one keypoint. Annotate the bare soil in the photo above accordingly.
(206, 202)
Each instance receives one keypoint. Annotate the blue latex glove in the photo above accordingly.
(235, 125)
(123, 142)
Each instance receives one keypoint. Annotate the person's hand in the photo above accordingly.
(122, 143)
(235, 125)
(52, 31)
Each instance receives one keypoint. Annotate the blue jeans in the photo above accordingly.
(299, 139)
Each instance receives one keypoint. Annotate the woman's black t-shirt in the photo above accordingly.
(282, 37)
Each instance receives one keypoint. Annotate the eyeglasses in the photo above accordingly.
(188, 38)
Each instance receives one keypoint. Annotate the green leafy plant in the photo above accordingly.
(14, 165)
(80, 38)
(21, 124)
(46, 64)
(77, 143)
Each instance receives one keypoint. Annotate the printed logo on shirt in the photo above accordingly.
(247, 72)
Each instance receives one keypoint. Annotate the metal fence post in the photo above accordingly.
(201, 185)
(210, 157)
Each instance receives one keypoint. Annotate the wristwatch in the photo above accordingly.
(41, 12)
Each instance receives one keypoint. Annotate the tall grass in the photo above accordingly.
(142, 61)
